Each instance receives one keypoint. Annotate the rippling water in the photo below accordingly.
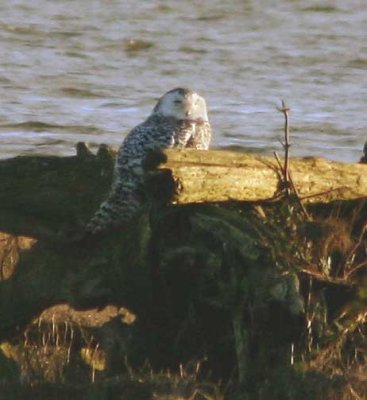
(92, 69)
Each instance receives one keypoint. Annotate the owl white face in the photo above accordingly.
(182, 104)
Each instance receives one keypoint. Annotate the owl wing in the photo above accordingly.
(127, 195)
(201, 136)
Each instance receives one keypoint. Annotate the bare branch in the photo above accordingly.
(286, 145)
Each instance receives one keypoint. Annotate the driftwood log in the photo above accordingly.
(188, 176)
(47, 197)
(51, 197)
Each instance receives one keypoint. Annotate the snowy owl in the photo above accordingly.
(179, 120)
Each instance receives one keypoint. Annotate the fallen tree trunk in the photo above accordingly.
(184, 177)
(51, 197)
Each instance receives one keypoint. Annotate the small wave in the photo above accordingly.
(358, 63)
(33, 29)
(64, 34)
(39, 126)
(22, 30)
(3, 79)
(29, 125)
(133, 45)
(75, 92)
(187, 49)
(324, 9)
(76, 54)
(214, 17)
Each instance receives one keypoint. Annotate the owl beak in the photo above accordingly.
(188, 102)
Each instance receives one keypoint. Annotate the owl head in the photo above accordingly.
(182, 104)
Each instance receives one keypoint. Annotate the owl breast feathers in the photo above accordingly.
(179, 120)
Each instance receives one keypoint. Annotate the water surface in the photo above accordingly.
(92, 70)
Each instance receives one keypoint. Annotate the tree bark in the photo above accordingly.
(191, 176)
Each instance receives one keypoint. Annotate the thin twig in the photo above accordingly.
(359, 242)
(356, 268)
(324, 278)
(352, 253)
(293, 187)
(286, 145)
(278, 161)
(287, 178)
(310, 196)
(307, 215)
(354, 393)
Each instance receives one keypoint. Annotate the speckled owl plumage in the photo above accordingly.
(178, 120)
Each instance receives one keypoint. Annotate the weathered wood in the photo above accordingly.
(52, 196)
(187, 176)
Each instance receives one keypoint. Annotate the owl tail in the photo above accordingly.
(120, 207)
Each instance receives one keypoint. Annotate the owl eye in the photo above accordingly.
(177, 101)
